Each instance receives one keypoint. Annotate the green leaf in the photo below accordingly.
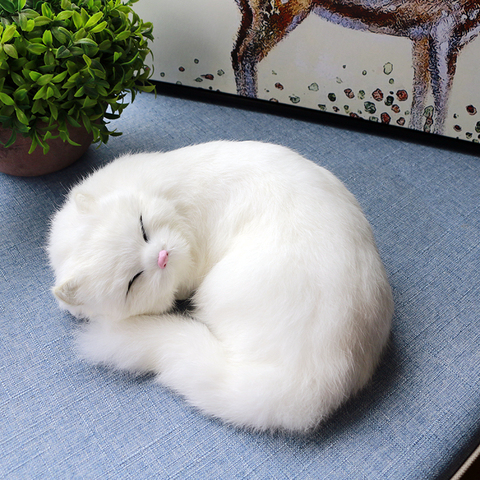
(99, 28)
(79, 92)
(47, 38)
(72, 80)
(44, 79)
(21, 116)
(91, 90)
(38, 107)
(71, 68)
(7, 5)
(49, 58)
(111, 116)
(8, 33)
(73, 122)
(20, 94)
(77, 20)
(30, 25)
(42, 20)
(105, 45)
(33, 146)
(98, 73)
(86, 41)
(85, 16)
(6, 99)
(76, 51)
(38, 141)
(63, 52)
(36, 39)
(56, 91)
(146, 88)
(12, 139)
(89, 50)
(62, 32)
(89, 102)
(60, 77)
(122, 36)
(80, 33)
(71, 142)
(129, 62)
(64, 15)
(48, 135)
(102, 91)
(10, 50)
(93, 20)
(35, 75)
(17, 79)
(36, 48)
(53, 110)
(22, 21)
(88, 61)
(42, 92)
(59, 35)
(87, 123)
(21, 128)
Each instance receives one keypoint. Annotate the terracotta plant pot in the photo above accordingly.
(15, 160)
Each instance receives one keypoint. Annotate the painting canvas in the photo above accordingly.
(408, 63)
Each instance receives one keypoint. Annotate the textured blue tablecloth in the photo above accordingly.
(418, 419)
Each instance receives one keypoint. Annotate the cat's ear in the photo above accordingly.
(84, 202)
(67, 292)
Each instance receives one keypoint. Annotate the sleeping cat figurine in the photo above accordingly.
(292, 306)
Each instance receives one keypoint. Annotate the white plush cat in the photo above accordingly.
(292, 303)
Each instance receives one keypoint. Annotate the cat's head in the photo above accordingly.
(119, 255)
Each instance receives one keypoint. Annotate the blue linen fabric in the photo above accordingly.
(419, 418)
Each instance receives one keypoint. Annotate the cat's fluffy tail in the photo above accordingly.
(189, 359)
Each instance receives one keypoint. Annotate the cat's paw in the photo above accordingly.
(112, 345)
(94, 343)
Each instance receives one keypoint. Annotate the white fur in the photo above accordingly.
(292, 303)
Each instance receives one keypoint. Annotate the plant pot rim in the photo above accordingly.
(15, 160)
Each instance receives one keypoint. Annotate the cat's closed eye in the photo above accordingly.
(144, 233)
(130, 283)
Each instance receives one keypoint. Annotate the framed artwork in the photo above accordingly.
(408, 63)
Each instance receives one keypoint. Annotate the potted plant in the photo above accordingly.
(66, 67)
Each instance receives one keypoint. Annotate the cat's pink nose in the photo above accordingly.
(162, 259)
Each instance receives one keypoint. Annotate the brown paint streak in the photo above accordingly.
(405, 16)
